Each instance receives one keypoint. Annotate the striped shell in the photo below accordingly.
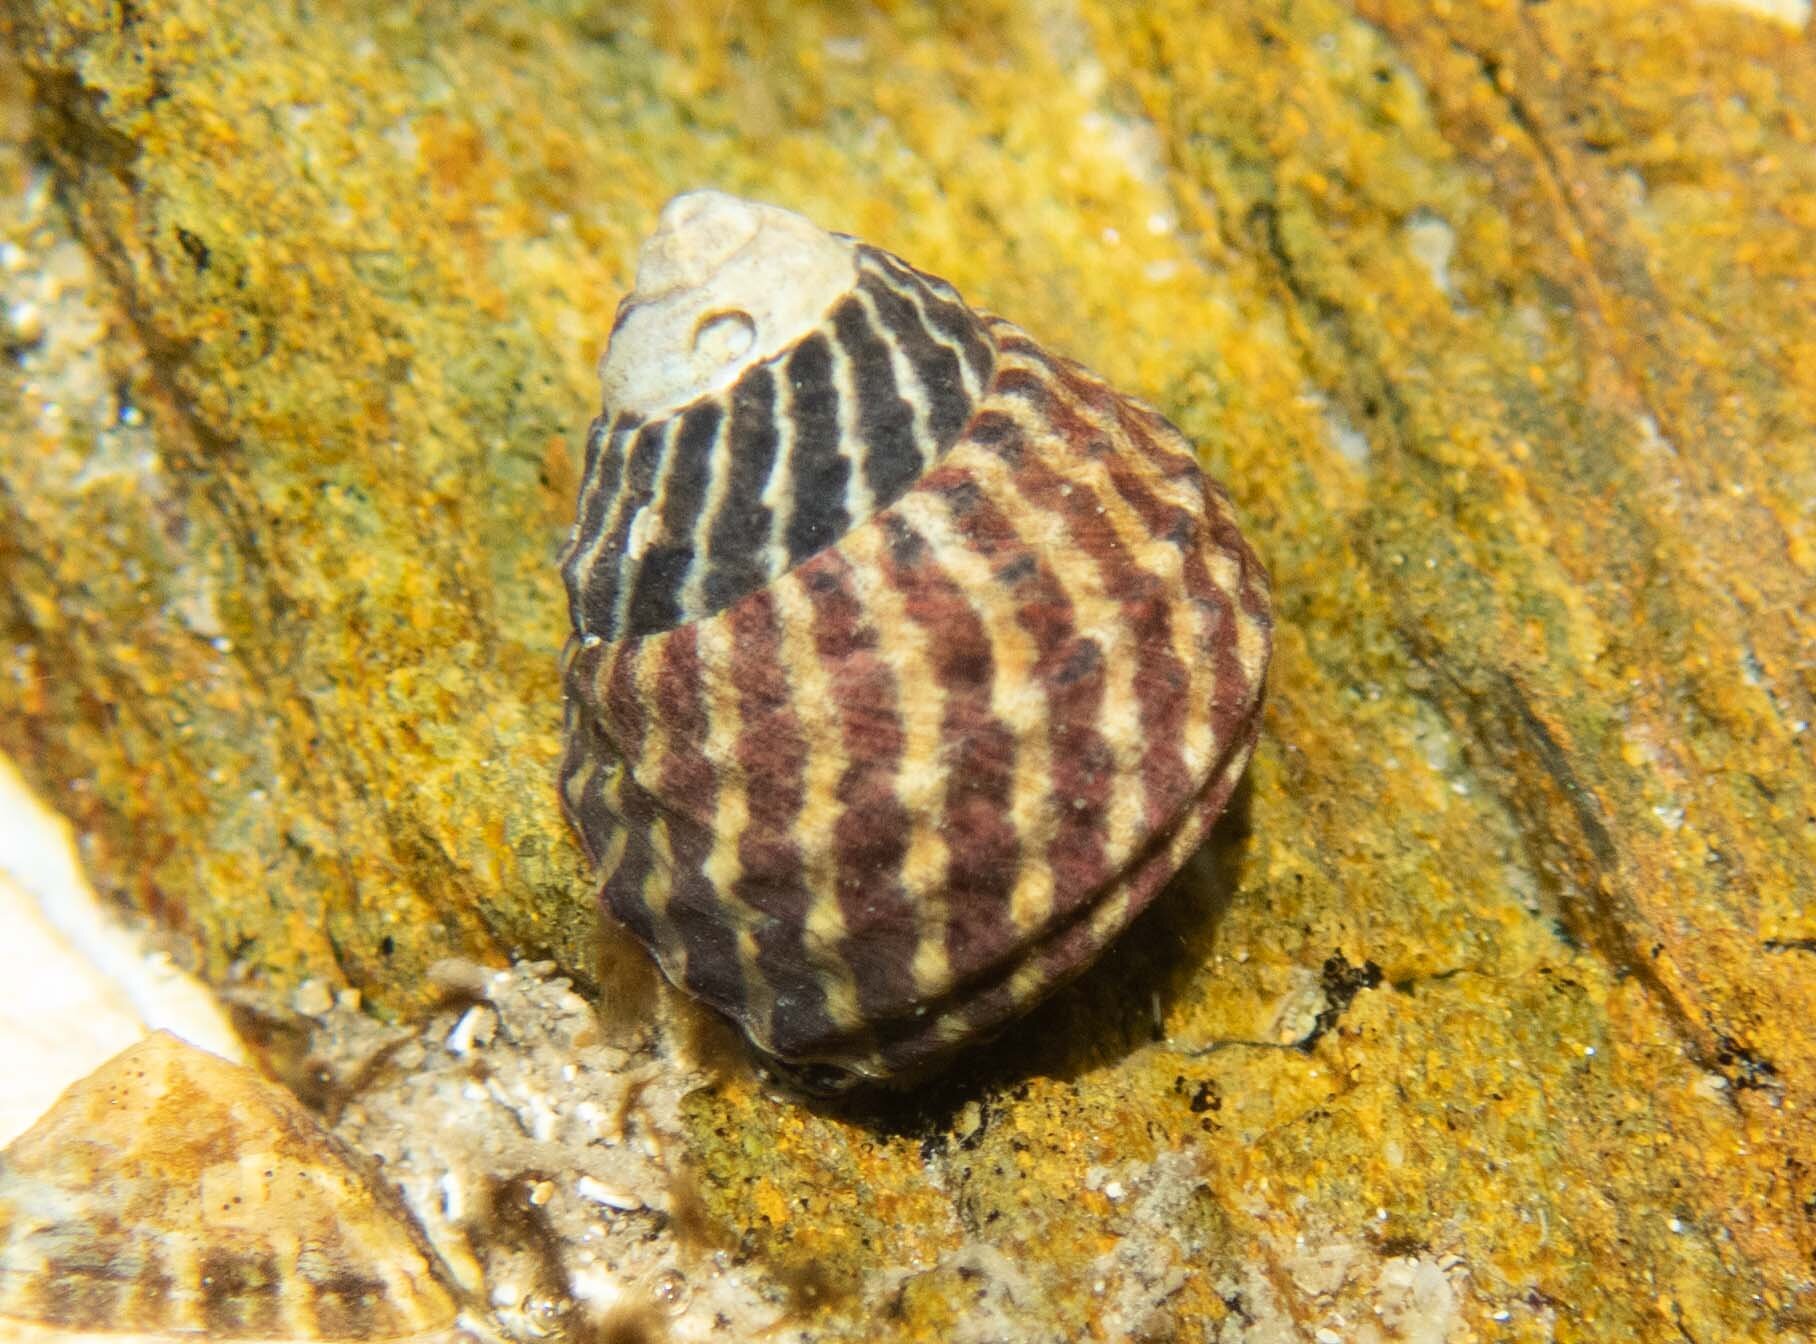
(909, 660)
(173, 1196)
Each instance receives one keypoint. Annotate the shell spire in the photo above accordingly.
(768, 386)
(909, 659)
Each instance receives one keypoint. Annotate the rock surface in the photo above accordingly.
(1494, 1019)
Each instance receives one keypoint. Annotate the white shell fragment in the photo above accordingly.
(174, 1196)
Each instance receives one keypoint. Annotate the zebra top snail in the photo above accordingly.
(909, 659)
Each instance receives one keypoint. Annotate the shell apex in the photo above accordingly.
(722, 284)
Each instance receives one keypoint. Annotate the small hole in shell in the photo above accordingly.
(724, 336)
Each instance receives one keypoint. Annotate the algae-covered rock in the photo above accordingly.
(1492, 1016)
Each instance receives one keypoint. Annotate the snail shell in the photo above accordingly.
(171, 1196)
(909, 660)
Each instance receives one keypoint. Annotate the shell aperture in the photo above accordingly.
(909, 659)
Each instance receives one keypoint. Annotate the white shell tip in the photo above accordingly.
(722, 284)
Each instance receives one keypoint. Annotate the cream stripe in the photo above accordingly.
(776, 495)
(974, 388)
(587, 555)
(579, 778)
(1251, 642)
(1226, 572)
(611, 796)
(401, 1288)
(184, 1291)
(1096, 616)
(1016, 699)
(860, 501)
(593, 774)
(920, 783)
(659, 882)
(646, 523)
(612, 770)
(907, 380)
(299, 1302)
(718, 482)
(731, 816)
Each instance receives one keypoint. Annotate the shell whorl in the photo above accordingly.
(885, 723)
(808, 422)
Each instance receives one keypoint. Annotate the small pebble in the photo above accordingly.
(600, 1193)
(312, 998)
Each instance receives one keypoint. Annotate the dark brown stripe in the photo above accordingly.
(997, 431)
(744, 525)
(946, 312)
(882, 435)
(89, 1284)
(1074, 676)
(772, 755)
(870, 837)
(606, 449)
(1069, 671)
(657, 575)
(621, 889)
(818, 511)
(688, 789)
(935, 365)
(688, 782)
(1065, 955)
(348, 1304)
(1232, 695)
(616, 723)
(1139, 424)
(1187, 531)
(593, 820)
(621, 722)
(623, 716)
(588, 674)
(605, 454)
(1070, 946)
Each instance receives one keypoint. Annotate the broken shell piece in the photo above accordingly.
(171, 1195)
